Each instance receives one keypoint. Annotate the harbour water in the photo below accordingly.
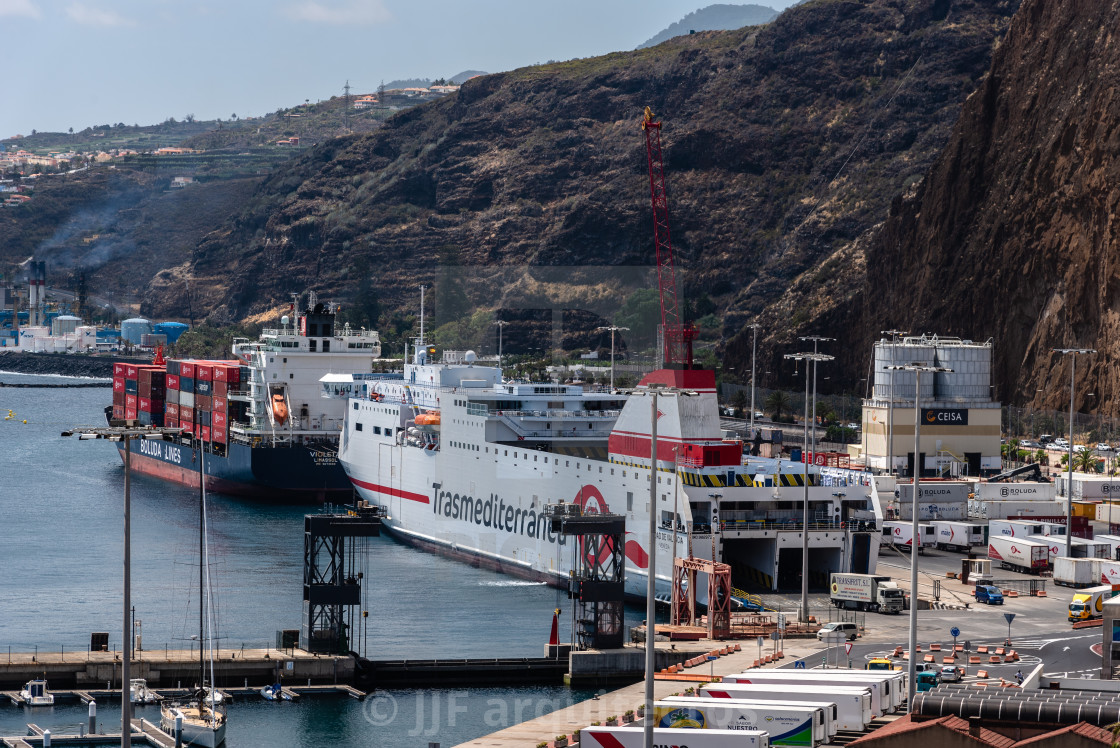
(62, 507)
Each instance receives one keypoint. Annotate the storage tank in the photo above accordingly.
(171, 329)
(972, 370)
(86, 336)
(133, 329)
(64, 324)
(909, 351)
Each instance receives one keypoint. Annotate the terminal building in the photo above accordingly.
(960, 422)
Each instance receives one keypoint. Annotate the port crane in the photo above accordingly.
(677, 337)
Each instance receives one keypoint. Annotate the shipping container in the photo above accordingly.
(118, 412)
(202, 416)
(800, 726)
(131, 371)
(118, 384)
(186, 370)
(879, 684)
(187, 399)
(1077, 572)
(217, 403)
(202, 402)
(172, 396)
(170, 423)
(186, 415)
(1018, 508)
(960, 535)
(186, 384)
(203, 387)
(204, 433)
(1079, 547)
(186, 426)
(934, 492)
(145, 405)
(131, 385)
(221, 389)
(171, 410)
(204, 372)
(218, 418)
(173, 367)
(218, 434)
(853, 704)
(172, 381)
(1019, 554)
(933, 510)
(1113, 542)
(119, 370)
(130, 414)
(634, 737)
(1089, 485)
(900, 535)
(131, 401)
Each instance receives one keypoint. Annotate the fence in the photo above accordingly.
(1029, 587)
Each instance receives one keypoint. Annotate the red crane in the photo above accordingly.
(677, 337)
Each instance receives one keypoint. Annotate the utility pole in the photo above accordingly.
(816, 339)
(501, 326)
(754, 349)
(613, 329)
(1072, 353)
(807, 357)
(890, 407)
(126, 434)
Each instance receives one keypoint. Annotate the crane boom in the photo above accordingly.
(677, 337)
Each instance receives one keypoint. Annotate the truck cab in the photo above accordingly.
(986, 593)
(928, 680)
(879, 663)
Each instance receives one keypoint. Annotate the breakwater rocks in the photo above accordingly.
(66, 364)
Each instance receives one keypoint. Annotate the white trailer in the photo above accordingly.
(1077, 572)
(1019, 554)
(1079, 547)
(901, 535)
(634, 737)
(1014, 528)
(959, 535)
(853, 704)
(1110, 572)
(827, 711)
(787, 725)
(880, 684)
(1017, 509)
(1113, 542)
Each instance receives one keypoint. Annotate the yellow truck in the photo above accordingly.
(1089, 603)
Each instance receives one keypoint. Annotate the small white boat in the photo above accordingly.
(139, 693)
(35, 693)
(202, 725)
(271, 693)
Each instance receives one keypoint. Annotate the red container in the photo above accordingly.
(171, 422)
(218, 434)
(171, 410)
(118, 412)
(187, 370)
(144, 375)
(218, 419)
(204, 372)
(173, 382)
(130, 414)
(145, 388)
(233, 374)
(220, 372)
(204, 433)
(130, 401)
(202, 402)
(146, 404)
(186, 415)
(131, 371)
(220, 388)
(118, 384)
(118, 370)
(187, 426)
(218, 404)
(118, 399)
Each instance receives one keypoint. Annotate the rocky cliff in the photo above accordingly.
(784, 144)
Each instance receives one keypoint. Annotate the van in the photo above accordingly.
(985, 593)
(850, 630)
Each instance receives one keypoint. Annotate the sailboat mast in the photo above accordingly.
(201, 564)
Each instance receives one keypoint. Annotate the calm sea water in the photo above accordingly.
(61, 507)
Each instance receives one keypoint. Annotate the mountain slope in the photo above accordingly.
(719, 17)
(783, 143)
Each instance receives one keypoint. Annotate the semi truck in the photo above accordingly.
(853, 704)
(1019, 554)
(1089, 603)
(901, 535)
(634, 737)
(959, 536)
(866, 592)
(1077, 572)
(787, 725)
(1079, 547)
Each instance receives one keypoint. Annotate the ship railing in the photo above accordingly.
(556, 414)
(762, 523)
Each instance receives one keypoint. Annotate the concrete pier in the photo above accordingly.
(89, 671)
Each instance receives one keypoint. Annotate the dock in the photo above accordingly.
(144, 733)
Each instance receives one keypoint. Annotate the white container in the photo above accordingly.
(853, 704)
(1077, 572)
(827, 711)
(1089, 485)
(786, 725)
(877, 684)
(933, 511)
(1112, 540)
(1015, 491)
(959, 535)
(935, 492)
(634, 737)
(1021, 509)
(1019, 554)
(1110, 572)
(901, 534)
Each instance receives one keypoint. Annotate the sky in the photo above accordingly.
(83, 63)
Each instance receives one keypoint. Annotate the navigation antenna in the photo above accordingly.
(677, 337)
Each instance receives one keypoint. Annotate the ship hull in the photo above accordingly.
(284, 474)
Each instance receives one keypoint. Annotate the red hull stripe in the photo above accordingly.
(389, 491)
(606, 740)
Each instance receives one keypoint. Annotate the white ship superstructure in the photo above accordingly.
(466, 464)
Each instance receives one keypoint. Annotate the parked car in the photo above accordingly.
(1079, 448)
(1029, 444)
(850, 630)
(1046, 438)
(985, 593)
(928, 681)
(1103, 447)
(1061, 444)
(951, 674)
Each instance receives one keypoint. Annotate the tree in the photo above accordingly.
(739, 401)
(1085, 462)
(778, 402)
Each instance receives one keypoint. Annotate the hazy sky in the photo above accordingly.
(79, 63)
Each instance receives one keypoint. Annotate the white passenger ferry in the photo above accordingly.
(465, 464)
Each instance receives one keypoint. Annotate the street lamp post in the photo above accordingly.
(1072, 353)
(754, 348)
(125, 434)
(890, 407)
(807, 357)
(613, 329)
(917, 368)
(501, 326)
(816, 339)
